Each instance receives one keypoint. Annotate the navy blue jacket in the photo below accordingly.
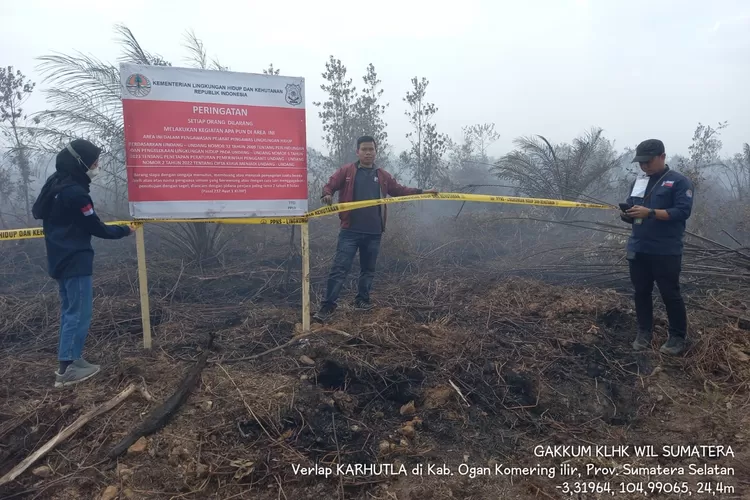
(69, 220)
(68, 231)
(673, 193)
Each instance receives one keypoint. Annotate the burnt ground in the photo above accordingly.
(451, 368)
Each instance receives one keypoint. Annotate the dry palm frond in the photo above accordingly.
(98, 80)
(196, 51)
(197, 55)
(133, 52)
(197, 241)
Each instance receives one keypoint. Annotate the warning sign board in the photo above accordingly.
(202, 143)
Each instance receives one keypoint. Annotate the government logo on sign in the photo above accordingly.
(293, 94)
(138, 85)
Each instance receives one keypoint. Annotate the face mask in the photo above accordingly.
(92, 173)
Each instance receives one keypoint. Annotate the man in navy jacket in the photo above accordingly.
(660, 204)
(69, 222)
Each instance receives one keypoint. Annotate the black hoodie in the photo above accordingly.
(68, 216)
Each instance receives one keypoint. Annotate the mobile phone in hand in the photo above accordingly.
(625, 207)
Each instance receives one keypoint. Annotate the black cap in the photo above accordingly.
(647, 150)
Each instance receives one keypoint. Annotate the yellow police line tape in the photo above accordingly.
(21, 234)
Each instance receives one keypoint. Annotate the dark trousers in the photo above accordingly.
(645, 269)
(348, 245)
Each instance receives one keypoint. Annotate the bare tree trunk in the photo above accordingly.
(23, 164)
(23, 167)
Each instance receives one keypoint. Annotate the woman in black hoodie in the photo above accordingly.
(69, 222)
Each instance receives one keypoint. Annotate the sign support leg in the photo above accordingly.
(305, 277)
(143, 285)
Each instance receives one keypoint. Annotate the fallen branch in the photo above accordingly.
(65, 434)
(159, 417)
(742, 322)
(455, 387)
(294, 340)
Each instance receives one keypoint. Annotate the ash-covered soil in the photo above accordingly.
(444, 372)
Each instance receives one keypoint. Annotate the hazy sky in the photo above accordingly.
(637, 68)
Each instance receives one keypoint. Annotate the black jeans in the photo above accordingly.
(349, 242)
(645, 269)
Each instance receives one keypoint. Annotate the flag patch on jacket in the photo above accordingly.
(668, 184)
(88, 210)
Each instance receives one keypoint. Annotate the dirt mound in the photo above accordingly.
(443, 375)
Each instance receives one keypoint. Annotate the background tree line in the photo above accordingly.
(83, 99)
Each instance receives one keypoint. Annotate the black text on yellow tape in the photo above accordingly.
(482, 198)
(240, 220)
(21, 234)
(38, 232)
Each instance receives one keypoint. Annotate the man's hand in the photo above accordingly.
(637, 212)
(327, 199)
(132, 228)
(430, 191)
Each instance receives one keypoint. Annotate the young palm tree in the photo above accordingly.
(84, 99)
(85, 102)
(564, 171)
